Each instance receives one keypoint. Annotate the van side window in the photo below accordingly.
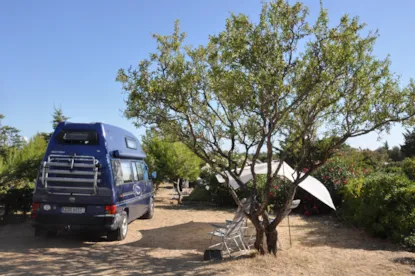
(140, 173)
(116, 170)
(135, 176)
(145, 170)
(127, 173)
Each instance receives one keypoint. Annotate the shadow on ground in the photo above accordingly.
(171, 245)
(186, 236)
(196, 207)
(172, 250)
(328, 231)
(406, 261)
(120, 260)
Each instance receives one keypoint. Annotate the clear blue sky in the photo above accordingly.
(67, 53)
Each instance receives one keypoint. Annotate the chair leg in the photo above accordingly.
(243, 243)
(211, 238)
(227, 248)
(236, 243)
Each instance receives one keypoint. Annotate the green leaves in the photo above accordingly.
(58, 117)
(256, 84)
(171, 160)
(21, 165)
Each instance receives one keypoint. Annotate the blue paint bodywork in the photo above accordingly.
(132, 197)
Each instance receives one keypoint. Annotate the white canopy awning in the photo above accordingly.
(310, 184)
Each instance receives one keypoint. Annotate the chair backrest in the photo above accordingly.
(239, 220)
(240, 212)
(235, 227)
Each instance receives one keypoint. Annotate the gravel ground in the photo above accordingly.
(172, 243)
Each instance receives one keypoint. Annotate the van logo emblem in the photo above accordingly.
(137, 190)
(72, 199)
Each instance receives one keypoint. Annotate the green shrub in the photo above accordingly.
(335, 174)
(18, 171)
(394, 170)
(408, 167)
(351, 197)
(17, 198)
(409, 242)
(383, 204)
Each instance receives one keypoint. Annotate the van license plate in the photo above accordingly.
(73, 210)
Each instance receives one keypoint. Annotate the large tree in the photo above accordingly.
(395, 154)
(257, 83)
(408, 148)
(9, 138)
(58, 117)
(173, 161)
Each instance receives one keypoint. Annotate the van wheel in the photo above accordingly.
(150, 212)
(120, 233)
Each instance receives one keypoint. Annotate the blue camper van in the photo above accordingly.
(93, 177)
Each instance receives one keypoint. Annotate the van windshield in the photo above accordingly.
(78, 137)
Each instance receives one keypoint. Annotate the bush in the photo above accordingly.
(409, 242)
(408, 167)
(18, 171)
(17, 198)
(383, 204)
(336, 173)
(394, 170)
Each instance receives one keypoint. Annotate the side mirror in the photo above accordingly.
(154, 175)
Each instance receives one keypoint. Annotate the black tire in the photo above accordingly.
(38, 231)
(121, 232)
(150, 212)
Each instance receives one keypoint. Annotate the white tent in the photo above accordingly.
(310, 184)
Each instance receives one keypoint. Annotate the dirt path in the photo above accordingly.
(172, 243)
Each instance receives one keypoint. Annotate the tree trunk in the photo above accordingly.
(272, 238)
(181, 185)
(179, 199)
(259, 237)
(259, 240)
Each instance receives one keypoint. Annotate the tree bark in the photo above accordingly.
(179, 199)
(272, 238)
(259, 237)
(259, 240)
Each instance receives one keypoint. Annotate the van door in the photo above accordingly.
(128, 193)
(142, 208)
(149, 186)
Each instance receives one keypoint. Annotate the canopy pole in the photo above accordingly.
(289, 229)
